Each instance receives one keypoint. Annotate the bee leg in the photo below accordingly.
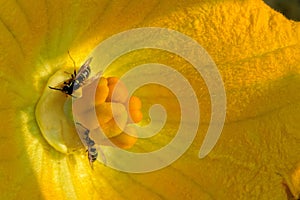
(53, 88)
(72, 75)
(73, 96)
(73, 64)
(68, 73)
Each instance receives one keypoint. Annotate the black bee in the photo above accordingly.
(92, 151)
(76, 80)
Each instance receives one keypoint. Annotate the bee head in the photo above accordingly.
(66, 89)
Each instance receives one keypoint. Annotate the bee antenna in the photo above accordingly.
(73, 62)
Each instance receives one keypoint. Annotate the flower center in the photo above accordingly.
(55, 113)
(54, 116)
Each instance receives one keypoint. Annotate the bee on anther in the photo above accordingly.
(77, 79)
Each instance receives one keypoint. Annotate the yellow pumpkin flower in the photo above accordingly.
(256, 50)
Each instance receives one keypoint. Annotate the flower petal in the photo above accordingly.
(256, 50)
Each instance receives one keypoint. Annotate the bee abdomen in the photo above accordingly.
(81, 78)
(84, 75)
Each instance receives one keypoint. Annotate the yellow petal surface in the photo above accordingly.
(257, 52)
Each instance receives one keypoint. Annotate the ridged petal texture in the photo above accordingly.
(256, 49)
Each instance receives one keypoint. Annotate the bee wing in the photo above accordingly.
(83, 67)
(94, 78)
(101, 153)
(82, 131)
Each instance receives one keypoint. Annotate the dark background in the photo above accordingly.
(290, 8)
